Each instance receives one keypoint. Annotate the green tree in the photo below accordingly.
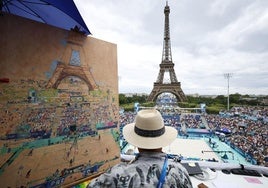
(122, 99)
(235, 98)
(220, 99)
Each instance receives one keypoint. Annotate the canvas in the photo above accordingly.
(58, 105)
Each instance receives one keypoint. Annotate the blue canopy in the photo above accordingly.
(60, 13)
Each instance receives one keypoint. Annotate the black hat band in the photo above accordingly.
(149, 133)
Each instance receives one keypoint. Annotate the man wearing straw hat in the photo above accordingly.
(151, 167)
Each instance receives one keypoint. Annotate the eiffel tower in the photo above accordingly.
(170, 85)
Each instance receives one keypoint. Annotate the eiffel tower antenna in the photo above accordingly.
(170, 85)
(166, 56)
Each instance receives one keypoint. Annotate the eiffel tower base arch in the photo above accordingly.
(174, 88)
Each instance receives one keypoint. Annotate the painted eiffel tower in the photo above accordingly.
(171, 84)
(72, 63)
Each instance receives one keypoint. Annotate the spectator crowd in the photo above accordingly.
(248, 128)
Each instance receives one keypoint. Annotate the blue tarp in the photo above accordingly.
(59, 13)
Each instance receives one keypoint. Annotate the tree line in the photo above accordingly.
(213, 104)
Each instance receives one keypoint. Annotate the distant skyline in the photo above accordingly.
(208, 39)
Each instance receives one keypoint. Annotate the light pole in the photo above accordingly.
(228, 76)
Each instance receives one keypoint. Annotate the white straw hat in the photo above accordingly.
(148, 131)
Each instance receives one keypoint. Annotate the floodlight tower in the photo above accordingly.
(228, 76)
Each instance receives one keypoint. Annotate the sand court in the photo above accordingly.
(191, 148)
(188, 148)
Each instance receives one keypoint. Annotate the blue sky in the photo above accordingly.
(208, 39)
